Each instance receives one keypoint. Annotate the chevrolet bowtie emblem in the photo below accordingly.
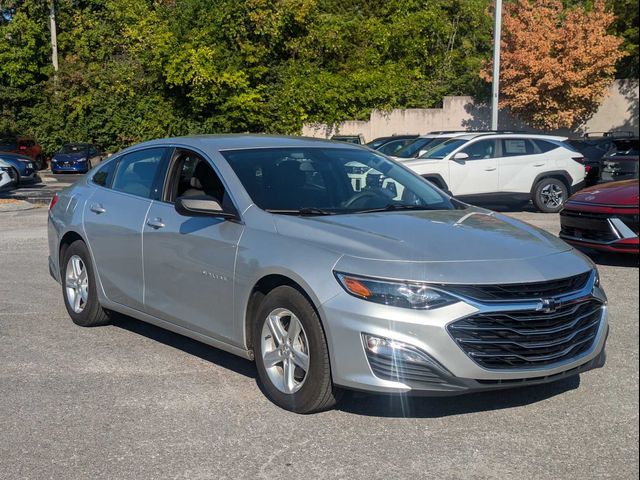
(548, 305)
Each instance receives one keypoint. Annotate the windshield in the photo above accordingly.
(324, 181)
(377, 142)
(75, 148)
(414, 147)
(444, 149)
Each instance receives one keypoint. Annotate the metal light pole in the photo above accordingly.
(495, 84)
(54, 35)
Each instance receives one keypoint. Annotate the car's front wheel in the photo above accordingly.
(291, 353)
(549, 195)
(79, 287)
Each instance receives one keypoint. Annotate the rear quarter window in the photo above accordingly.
(546, 146)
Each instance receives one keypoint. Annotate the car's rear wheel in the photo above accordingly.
(291, 353)
(549, 195)
(79, 287)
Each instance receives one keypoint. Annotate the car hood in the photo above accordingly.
(66, 157)
(623, 193)
(462, 246)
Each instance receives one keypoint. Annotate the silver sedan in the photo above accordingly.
(328, 264)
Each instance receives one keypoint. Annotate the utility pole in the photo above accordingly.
(495, 84)
(54, 35)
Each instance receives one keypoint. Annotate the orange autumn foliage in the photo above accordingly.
(556, 63)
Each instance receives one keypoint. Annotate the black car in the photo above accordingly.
(595, 146)
(392, 144)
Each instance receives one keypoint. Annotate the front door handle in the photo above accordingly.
(490, 169)
(97, 208)
(538, 164)
(156, 223)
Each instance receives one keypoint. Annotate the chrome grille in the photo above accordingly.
(521, 291)
(528, 339)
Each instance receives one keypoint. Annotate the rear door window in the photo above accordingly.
(137, 173)
(516, 147)
(545, 146)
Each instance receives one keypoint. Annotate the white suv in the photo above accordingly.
(507, 167)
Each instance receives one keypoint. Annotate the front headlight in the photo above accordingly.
(83, 159)
(397, 294)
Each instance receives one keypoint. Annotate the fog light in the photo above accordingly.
(398, 351)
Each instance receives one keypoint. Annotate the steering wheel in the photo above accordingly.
(362, 196)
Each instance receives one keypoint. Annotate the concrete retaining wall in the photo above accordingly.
(618, 111)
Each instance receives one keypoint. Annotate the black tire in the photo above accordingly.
(17, 175)
(92, 314)
(543, 192)
(317, 392)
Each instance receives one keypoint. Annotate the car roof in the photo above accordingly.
(15, 156)
(471, 136)
(244, 141)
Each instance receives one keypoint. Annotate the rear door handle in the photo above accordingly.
(538, 164)
(156, 223)
(490, 169)
(97, 208)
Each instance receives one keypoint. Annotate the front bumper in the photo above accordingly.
(59, 167)
(606, 229)
(452, 371)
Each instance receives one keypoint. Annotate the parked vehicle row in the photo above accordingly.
(26, 146)
(604, 151)
(393, 286)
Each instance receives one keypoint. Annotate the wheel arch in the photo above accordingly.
(260, 290)
(561, 175)
(67, 239)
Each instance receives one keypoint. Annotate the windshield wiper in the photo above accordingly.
(395, 207)
(307, 211)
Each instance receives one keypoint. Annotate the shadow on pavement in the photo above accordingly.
(394, 406)
(187, 345)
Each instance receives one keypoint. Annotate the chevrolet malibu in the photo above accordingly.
(265, 247)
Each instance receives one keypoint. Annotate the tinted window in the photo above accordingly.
(512, 147)
(546, 146)
(443, 149)
(286, 180)
(481, 149)
(136, 172)
(414, 147)
(393, 146)
(8, 144)
(104, 175)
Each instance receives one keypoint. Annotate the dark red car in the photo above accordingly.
(24, 146)
(603, 217)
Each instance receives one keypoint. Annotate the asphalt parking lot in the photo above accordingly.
(133, 401)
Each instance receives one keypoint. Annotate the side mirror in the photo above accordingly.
(460, 157)
(201, 206)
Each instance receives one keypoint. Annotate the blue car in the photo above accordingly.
(75, 158)
(23, 166)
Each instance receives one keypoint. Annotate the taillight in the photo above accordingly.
(54, 200)
(587, 168)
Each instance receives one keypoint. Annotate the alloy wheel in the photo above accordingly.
(552, 196)
(285, 350)
(77, 283)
